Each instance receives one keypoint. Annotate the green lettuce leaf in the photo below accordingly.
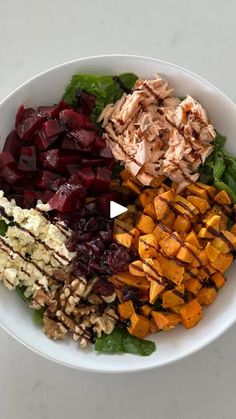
(120, 341)
(106, 89)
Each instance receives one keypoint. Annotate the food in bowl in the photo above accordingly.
(113, 282)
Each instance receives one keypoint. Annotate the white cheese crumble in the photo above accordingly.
(32, 248)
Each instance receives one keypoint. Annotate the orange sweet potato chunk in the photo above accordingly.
(140, 326)
(191, 314)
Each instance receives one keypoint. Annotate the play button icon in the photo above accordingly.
(116, 209)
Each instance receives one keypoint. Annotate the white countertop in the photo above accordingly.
(199, 35)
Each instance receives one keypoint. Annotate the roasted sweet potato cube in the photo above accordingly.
(193, 285)
(150, 210)
(146, 224)
(218, 279)
(223, 198)
(147, 246)
(132, 185)
(125, 235)
(170, 299)
(182, 224)
(231, 238)
(170, 245)
(185, 255)
(152, 268)
(140, 326)
(207, 296)
(146, 310)
(201, 190)
(125, 174)
(169, 219)
(212, 252)
(126, 309)
(204, 234)
(191, 238)
(191, 313)
(159, 233)
(156, 289)
(171, 269)
(223, 262)
(183, 206)
(153, 326)
(221, 245)
(132, 280)
(200, 203)
(214, 222)
(165, 321)
(162, 204)
(200, 259)
(176, 309)
(136, 268)
(147, 197)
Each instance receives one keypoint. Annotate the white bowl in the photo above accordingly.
(15, 317)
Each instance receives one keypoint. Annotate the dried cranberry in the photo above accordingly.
(103, 287)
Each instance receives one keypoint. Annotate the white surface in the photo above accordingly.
(116, 209)
(35, 35)
(46, 89)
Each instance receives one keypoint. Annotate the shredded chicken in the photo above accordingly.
(153, 133)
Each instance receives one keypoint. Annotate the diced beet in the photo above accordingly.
(106, 152)
(13, 145)
(102, 180)
(67, 160)
(41, 141)
(68, 198)
(53, 111)
(99, 144)
(30, 199)
(85, 175)
(69, 143)
(11, 174)
(86, 101)
(72, 119)
(52, 128)
(17, 197)
(6, 158)
(4, 186)
(45, 178)
(27, 160)
(27, 127)
(83, 137)
(23, 113)
(93, 162)
(55, 184)
(103, 202)
(48, 133)
(49, 159)
(72, 168)
(46, 196)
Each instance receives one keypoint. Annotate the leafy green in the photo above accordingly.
(106, 89)
(121, 341)
(3, 227)
(21, 291)
(220, 168)
(38, 316)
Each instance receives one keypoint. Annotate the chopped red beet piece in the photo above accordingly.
(72, 119)
(102, 180)
(5, 159)
(29, 124)
(49, 159)
(85, 175)
(68, 198)
(13, 145)
(30, 199)
(53, 111)
(11, 174)
(23, 113)
(103, 202)
(86, 101)
(47, 195)
(27, 160)
(83, 137)
(41, 141)
(45, 179)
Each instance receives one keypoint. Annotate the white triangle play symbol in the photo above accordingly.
(116, 209)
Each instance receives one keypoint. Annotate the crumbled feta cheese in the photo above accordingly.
(31, 249)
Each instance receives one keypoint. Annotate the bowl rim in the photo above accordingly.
(185, 353)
